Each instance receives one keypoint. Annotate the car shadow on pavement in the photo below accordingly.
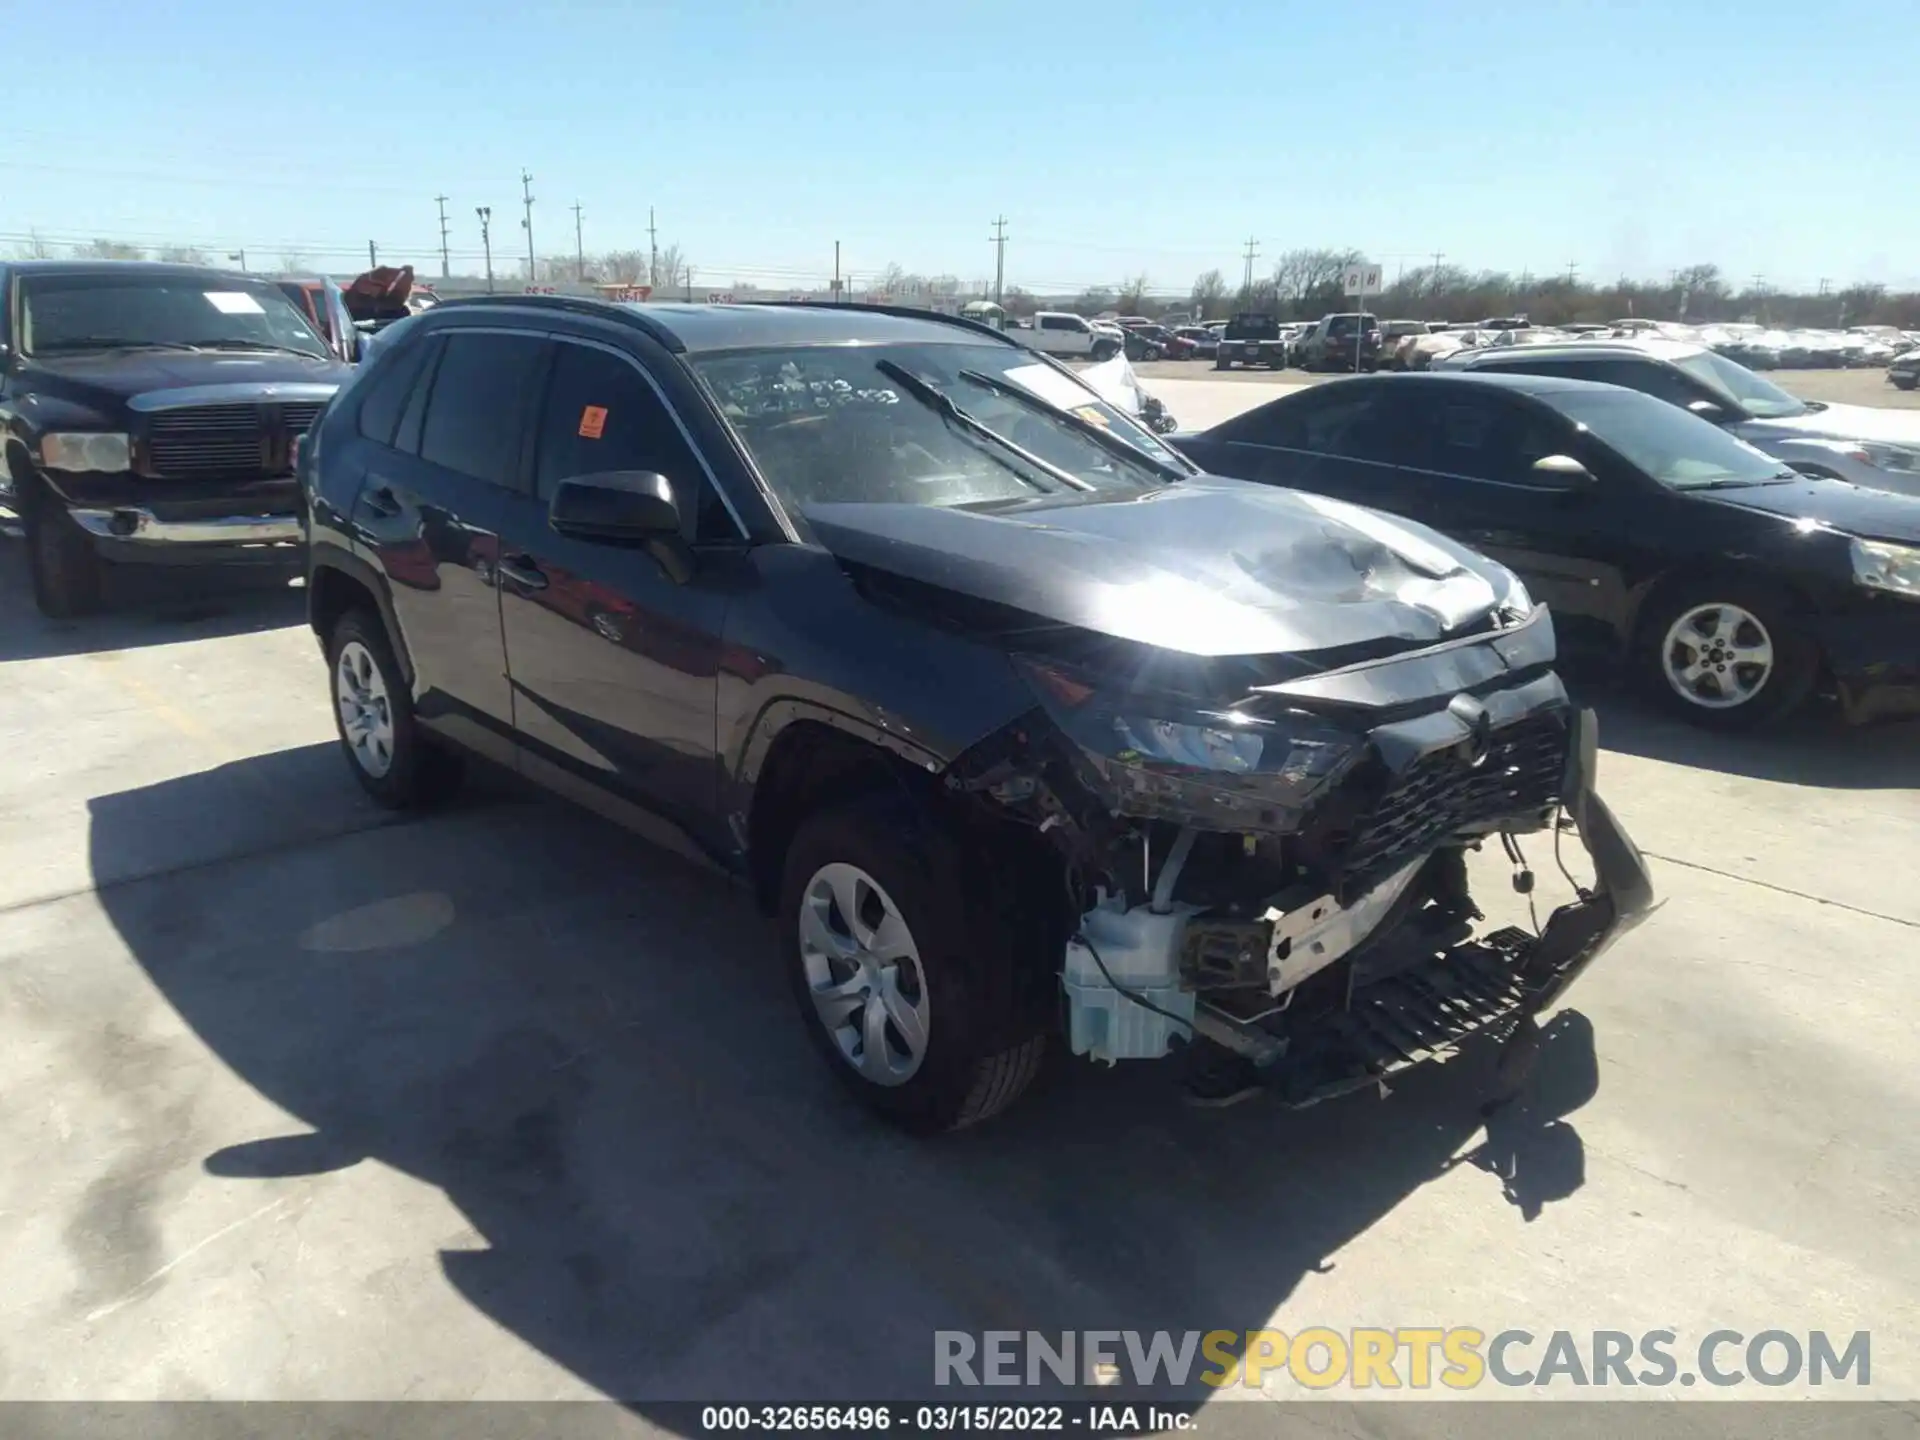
(1811, 749)
(161, 607)
(589, 1047)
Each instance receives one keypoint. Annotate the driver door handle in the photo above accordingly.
(521, 570)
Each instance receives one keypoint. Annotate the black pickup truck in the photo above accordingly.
(148, 415)
(1251, 339)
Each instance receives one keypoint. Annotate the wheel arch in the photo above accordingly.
(337, 582)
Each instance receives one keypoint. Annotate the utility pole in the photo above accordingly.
(689, 284)
(653, 249)
(446, 264)
(373, 256)
(579, 247)
(1573, 269)
(485, 212)
(526, 203)
(241, 257)
(1759, 283)
(839, 294)
(1826, 284)
(1433, 275)
(999, 238)
(1253, 249)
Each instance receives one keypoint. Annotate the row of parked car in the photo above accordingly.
(1025, 729)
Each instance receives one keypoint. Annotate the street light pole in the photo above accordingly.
(485, 212)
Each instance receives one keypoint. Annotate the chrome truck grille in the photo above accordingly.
(205, 442)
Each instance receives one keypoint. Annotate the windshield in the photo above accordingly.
(73, 313)
(829, 424)
(1761, 399)
(1681, 451)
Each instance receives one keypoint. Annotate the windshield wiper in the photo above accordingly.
(108, 342)
(227, 344)
(1100, 435)
(942, 404)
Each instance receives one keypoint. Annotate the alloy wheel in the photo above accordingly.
(864, 974)
(1718, 656)
(366, 714)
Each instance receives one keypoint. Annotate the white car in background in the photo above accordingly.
(1869, 446)
(1067, 336)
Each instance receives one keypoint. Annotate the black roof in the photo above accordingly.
(157, 268)
(698, 328)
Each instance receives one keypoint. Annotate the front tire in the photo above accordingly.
(1103, 352)
(925, 998)
(1905, 382)
(1726, 655)
(388, 752)
(66, 573)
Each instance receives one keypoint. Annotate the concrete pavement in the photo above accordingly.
(307, 1102)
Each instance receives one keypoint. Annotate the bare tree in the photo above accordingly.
(110, 250)
(183, 255)
(1300, 275)
(1133, 294)
(892, 280)
(1209, 291)
(624, 267)
(293, 260)
(1093, 300)
(672, 270)
(33, 248)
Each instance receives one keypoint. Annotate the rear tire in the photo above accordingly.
(389, 753)
(66, 574)
(969, 985)
(1104, 351)
(1726, 654)
(1905, 382)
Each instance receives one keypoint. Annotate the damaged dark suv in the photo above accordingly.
(1019, 725)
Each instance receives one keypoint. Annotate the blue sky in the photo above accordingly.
(1117, 138)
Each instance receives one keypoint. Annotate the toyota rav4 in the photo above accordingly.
(1019, 725)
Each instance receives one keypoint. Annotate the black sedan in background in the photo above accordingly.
(1734, 586)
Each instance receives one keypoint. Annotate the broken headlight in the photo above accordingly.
(1169, 757)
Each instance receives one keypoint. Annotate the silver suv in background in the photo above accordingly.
(1866, 445)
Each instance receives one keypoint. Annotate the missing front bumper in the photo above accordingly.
(1497, 984)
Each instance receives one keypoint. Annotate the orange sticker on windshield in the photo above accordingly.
(593, 420)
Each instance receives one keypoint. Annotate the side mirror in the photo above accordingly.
(1707, 410)
(1567, 472)
(624, 507)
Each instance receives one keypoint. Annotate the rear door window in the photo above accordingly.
(392, 382)
(475, 415)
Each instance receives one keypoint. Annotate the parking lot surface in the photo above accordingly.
(305, 1100)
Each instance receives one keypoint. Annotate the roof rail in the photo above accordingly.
(574, 305)
(908, 312)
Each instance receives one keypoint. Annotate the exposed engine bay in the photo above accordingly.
(1280, 877)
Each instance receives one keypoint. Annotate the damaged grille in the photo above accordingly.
(1447, 791)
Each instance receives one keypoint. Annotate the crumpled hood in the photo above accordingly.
(1206, 567)
(1839, 422)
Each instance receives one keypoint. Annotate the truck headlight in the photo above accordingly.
(1892, 457)
(1882, 565)
(103, 452)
